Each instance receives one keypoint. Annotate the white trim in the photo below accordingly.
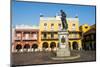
(54, 18)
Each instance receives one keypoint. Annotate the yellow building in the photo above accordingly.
(49, 27)
(88, 36)
(84, 28)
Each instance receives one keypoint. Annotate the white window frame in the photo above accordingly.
(52, 27)
(73, 27)
(45, 27)
(26, 36)
(18, 35)
(59, 27)
(35, 36)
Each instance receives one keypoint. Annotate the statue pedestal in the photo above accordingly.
(63, 52)
(63, 49)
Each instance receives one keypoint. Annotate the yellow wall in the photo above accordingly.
(83, 29)
(50, 42)
(70, 22)
(78, 41)
(74, 35)
(49, 22)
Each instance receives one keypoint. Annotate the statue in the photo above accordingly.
(63, 50)
(63, 19)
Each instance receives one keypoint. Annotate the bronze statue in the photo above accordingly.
(63, 19)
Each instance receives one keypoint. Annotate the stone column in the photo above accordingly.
(71, 45)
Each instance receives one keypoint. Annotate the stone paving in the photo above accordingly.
(45, 57)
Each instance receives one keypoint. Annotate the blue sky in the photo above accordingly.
(28, 13)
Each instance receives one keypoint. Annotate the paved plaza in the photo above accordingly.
(45, 57)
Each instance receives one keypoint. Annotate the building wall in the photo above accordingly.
(89, 39)
(24, 37)
(53, 25)
(79, 44)
(83, 28)
(73, 25)
(55, 21)
(72, 21)
(49, 42)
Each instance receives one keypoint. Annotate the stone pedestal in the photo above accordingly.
(63, 52)
(63, 49)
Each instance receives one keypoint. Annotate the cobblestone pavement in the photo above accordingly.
(45, 57)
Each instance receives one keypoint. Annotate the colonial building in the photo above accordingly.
(89, 40)
(25, 38)
(83, 28)
(88, 37)
(45, 37)
(49, 27)
(12, 41)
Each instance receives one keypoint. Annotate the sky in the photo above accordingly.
(28, 13)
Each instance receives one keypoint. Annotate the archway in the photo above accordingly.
(45, 45)
(75, 46)
(87, 46)
(18, 47)
(91, 46)
(26, 47)
(52, 45)
(34, 46)
(84, 47)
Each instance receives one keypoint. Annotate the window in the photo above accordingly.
(52, 26)
(72, 35)
(73, 24)
(75, 35)
(18, 34)
(52, 35)
(59, 26)
(73, 27)
(45, 26)
(86, 27)
(45, 35)
(26, 36)
(35, 36)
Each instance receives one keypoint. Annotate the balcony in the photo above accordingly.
(29, 38)
(74, 31)
(74, 38)
(49, 38)
(49, 32)
(17, 38)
